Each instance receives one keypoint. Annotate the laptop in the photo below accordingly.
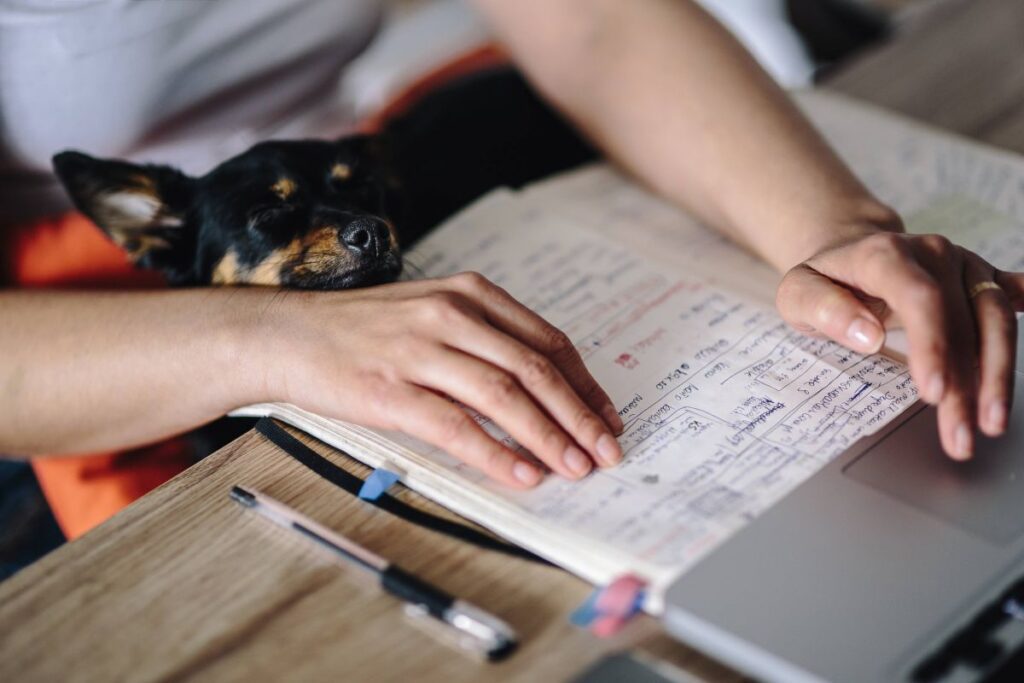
(894, 563)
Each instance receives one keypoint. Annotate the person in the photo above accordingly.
(658, 85)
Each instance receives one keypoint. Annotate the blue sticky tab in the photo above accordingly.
(379, 481)
(638, 604)
(587, 612)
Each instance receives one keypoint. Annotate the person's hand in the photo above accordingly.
(961, 327)
(388, 356)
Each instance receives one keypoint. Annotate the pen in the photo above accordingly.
(478, 630)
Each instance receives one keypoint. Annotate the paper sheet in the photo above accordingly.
(726, 408)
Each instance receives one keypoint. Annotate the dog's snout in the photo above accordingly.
(367, 236)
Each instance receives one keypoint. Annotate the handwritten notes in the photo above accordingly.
(726, 408)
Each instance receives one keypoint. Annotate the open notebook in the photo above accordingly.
(726, 408)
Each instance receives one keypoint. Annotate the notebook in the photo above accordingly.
(726, 408)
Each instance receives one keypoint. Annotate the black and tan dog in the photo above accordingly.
(326, 215)
(304, 214)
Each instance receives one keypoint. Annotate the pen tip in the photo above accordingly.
(502, 651)
(242, 496)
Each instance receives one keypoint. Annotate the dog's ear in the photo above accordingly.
(141, 208)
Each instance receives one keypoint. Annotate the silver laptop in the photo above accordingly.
(894, 563)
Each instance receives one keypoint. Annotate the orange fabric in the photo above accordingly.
(69, 251)
(85, 490)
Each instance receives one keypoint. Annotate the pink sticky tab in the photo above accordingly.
(607, 626)
(619, 599)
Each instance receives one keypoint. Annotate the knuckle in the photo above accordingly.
(550, 440)
(536, 369)
(381, 396)
(500, 388)
(443, 307)
(588, 423)
(452, 426)
(938, 245)
(824, 313)
(557, 342)
(884, 243)
(471, 281)
(495, 459)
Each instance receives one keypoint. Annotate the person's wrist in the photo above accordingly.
(859, 220)
(256, 334)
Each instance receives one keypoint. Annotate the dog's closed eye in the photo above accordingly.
(268, 212)
(284, 213)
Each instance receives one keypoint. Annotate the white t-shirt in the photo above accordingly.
(188, 82)
(194, 82)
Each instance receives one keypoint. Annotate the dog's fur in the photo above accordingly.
(306, 214)
(325, 215)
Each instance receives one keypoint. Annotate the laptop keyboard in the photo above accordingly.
(989, 648)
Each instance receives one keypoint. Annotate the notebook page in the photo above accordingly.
(644, 290)
(726, 408)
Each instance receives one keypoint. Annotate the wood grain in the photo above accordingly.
(186, 585)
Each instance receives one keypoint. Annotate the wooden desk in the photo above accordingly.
(185, 585)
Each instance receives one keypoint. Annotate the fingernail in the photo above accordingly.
(936, 388)
(608, 450)
(526, 473)
(962, 439)
(576, 461)
(865, 335)
(611, 418)
(997, 417)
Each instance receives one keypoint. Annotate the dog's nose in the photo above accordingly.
(367, 236)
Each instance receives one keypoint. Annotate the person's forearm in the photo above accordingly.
(81, 372)
(672, 96)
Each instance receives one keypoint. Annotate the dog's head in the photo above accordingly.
(306, 214)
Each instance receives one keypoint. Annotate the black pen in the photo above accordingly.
(478, 630)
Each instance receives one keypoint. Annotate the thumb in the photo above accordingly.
(808, 300)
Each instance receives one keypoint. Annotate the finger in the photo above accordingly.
(957, 412)
(433, 419)
(1013, 285)
(496, 394)
(884, 267)
(515, 319)
(811, 302)
(997, 345)
(544, 383)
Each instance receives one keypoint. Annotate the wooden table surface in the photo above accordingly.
(185, 584)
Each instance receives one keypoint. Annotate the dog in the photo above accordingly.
(303, 214)
(315, 214)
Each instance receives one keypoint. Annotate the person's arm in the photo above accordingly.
(87, 371)
(667, 92)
